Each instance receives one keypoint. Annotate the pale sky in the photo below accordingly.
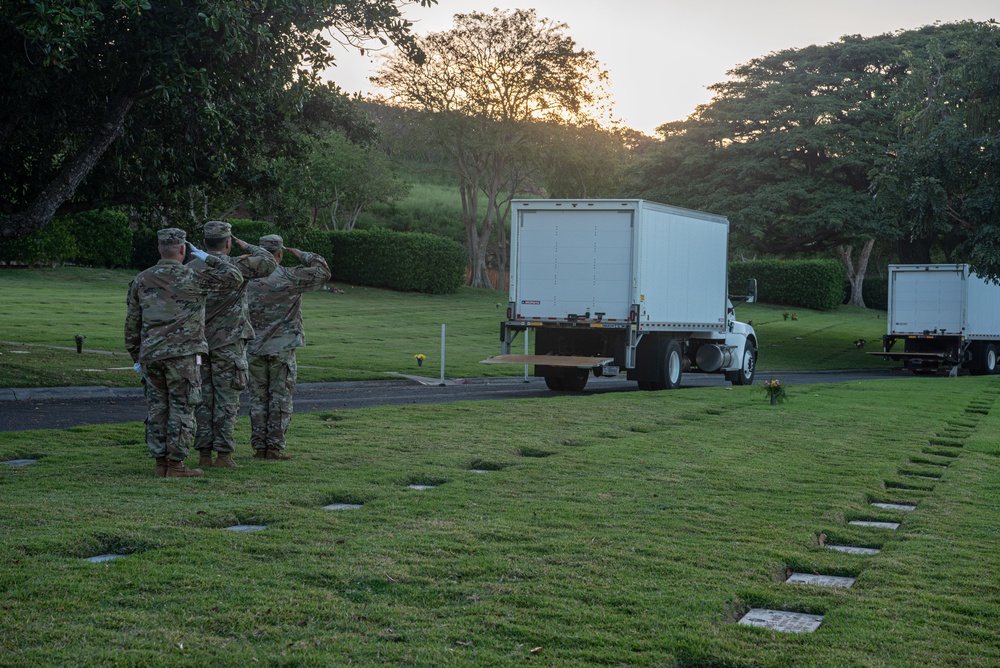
(661, 55)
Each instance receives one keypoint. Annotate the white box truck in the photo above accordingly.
(612, 285)
(946, 317)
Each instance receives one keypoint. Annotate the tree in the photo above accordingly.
(336, 181)
(108, 102)
(483, 82)
(941, 174)
(787, 146)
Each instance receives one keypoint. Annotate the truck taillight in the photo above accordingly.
(510, 313)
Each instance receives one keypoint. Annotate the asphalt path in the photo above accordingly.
(63, 407)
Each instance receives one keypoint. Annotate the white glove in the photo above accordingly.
(137, 367)
(195, 252)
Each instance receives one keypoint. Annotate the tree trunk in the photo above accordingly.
(61, 189)
(856, 273)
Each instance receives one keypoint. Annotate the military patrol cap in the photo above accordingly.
(271, 242)
(171, 236)
(217, 229)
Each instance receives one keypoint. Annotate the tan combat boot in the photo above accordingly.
(178, 470)
(225, 461)
(277, 454)
(205, 458)
(260, 454)
(161, 467)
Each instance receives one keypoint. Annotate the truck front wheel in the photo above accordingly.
(672, 365)
(984, 359)
(989, 359)
(749, 367)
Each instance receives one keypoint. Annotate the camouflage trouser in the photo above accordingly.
(223, 376)
(173, 390)
(272, 381)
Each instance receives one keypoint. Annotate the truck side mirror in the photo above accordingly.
(751, 290)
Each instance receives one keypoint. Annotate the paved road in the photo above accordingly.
(59, 408)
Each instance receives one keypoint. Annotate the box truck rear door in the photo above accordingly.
(574, 262)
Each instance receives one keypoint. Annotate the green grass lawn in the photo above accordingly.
(627, 529)
(364, 333)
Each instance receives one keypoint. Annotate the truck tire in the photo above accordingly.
(984, 359)
(748, 369)
(576, 379)
(567, 380)
(989, 359)
(672, 368)
(554, 381)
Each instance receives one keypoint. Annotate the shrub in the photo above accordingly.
(52, 244)
(144, 253)
(397, 260)
(875, 290)
(815, 284)
(251, 231)
(103, 239)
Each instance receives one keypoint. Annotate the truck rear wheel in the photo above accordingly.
(567, 380)
(554, 381)
(576, 379)
(749, 367)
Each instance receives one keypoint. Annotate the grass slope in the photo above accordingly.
(364, 333)
(623, 529)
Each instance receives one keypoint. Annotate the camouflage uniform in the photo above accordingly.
(165, 332)
(227, 329)
(276, 316)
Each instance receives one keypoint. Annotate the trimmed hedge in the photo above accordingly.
(103, 239)
(875, 290)
(405, 261)
(53, 244)
(815, 284)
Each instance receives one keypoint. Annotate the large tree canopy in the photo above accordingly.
(787, 147)
(108, 102)
(941, 175)
(483, 83)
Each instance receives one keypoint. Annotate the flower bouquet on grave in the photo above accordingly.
(775, 390)
(420, 358)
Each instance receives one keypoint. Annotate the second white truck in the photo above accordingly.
(946, 318)
(613, 286)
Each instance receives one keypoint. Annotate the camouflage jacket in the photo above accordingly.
(276, 305)
(166, 308)
(227, 318)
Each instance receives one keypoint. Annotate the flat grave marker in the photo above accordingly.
(820, 580)
(101, 558)
(246, 528)
(876, 525)
(342, 506)
(420, 488)
(895, 506)
(20, 462)
(780, 620)
(850, 549)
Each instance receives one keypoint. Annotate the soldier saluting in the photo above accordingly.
(165, 335)
(227, 329)
(276, 316)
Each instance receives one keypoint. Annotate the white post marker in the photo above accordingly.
(526, 330)
(441, 384)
